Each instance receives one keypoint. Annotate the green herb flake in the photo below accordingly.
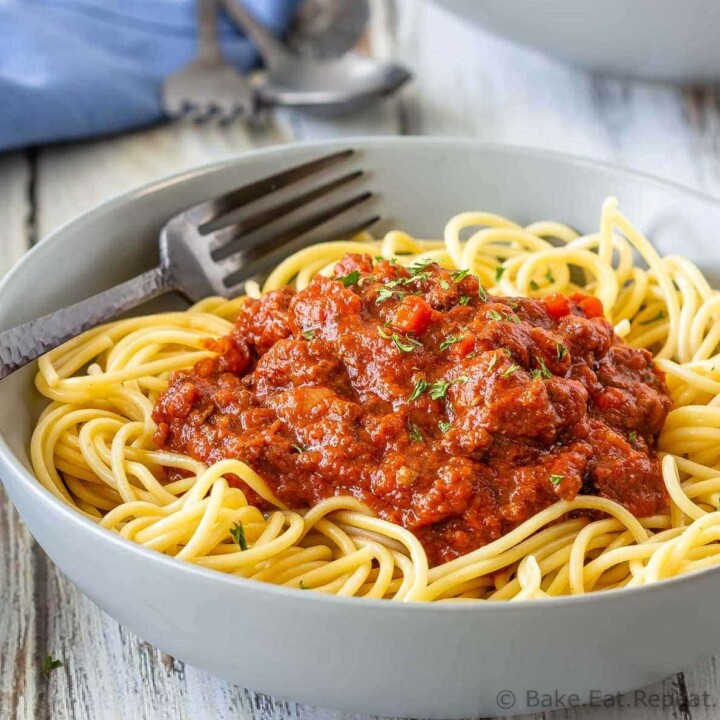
(491, 365)
(444, 284)
(632, 437)
(448, 341)
(420, 387)
(549, 276)
(405, 345)
(660, 315)
(499, 317)
(562, 351)
(299, 448)
(499, 270)
(238, 535)
(464, 299)
(418, 266)
(350, 279)
(470, 355)
(309, 334)
(50, 664)
(511, 370)
(543, 368)
(534, 285)
(459, 275)
(444, 426)
(438, 389)
(462, 379)
(414, 432)
(385, 293)
(556, 479)
(482, 293)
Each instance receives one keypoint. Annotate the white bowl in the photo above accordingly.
(368, 656)
(659, 39)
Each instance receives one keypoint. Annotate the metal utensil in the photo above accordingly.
(325, 29)
(333, 86)
(209, 87)
(203, 251)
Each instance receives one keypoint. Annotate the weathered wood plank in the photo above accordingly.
(71, 179)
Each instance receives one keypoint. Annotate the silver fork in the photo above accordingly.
(209, 87)
(204, 251)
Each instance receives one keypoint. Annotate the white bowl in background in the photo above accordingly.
(658, 39)
(365, 656)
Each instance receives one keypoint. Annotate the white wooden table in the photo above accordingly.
(468, 84)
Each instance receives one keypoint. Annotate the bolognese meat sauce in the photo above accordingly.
(453, 413)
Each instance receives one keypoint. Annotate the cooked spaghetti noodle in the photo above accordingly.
(93, 445)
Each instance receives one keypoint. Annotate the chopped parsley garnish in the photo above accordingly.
(444, 284)
(50, 664)
(511, 370)
(632, 437)
(299, 449)
(482, 294)
(238, 535)
(549, 276)
(385, 293)
(491, 365)
(438, 389)
(544, 372)
(459, 275)
(420, 387)
(448, 341)
(414, 431)
(464, 299)
(659, 316)
(350, 279)
(470, 355)
(444, 426)
(534, 285)
(495, 315)
(309, 334)
(499, 270)
(556, 479)
(407, 344)
(562, 351)
(418, 266)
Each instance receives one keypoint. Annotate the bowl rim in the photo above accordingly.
(10, 462)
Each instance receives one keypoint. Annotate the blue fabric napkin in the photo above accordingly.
(77, 68)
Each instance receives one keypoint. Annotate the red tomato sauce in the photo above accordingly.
(453, 413)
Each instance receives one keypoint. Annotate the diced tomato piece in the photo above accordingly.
(464, 347)
(413, 315)
(558, 305)
(591, 306)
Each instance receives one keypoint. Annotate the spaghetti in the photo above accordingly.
(93, 445)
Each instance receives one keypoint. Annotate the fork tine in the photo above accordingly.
(260, 247)
(230, 238)
(208, 213)
(235, 280)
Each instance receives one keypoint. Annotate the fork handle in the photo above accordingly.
(271, 50)
(24, 343)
